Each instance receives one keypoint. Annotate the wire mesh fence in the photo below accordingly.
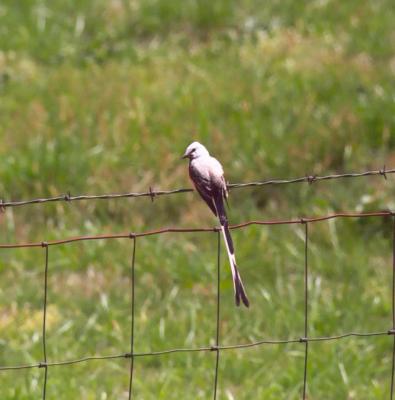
(304, 338)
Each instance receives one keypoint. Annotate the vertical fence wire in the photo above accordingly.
(393, 308)
(306, 298)
(44, 327)
(132, 321)
(218, 313)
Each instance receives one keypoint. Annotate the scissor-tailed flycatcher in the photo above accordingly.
(207, 175)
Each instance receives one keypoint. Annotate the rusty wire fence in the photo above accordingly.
(303, 339)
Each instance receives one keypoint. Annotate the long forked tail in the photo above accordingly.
(237, 282)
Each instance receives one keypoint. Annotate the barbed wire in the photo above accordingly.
(67, 197)
(131, 355)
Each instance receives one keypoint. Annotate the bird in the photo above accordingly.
(207, 175)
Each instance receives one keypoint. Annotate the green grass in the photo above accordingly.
(104, 96)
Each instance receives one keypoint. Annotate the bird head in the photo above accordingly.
(195, 150)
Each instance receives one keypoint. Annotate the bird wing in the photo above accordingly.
(200, 177)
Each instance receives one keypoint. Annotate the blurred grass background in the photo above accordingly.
(104, 96)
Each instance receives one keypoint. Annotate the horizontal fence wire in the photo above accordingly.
(132, 355)
(200, 349)
(68, 197)
(132, 235)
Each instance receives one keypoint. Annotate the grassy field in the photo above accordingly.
(104, 96)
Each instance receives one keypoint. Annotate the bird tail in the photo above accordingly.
(237, 282)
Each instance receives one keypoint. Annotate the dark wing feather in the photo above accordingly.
(203, 187)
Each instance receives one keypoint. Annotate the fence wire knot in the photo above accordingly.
(152, 194)
(311, 178)
(67, 196)
(383, 172)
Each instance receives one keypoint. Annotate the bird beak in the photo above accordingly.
(184, 156)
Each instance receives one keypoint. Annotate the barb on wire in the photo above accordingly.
(151, 193)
